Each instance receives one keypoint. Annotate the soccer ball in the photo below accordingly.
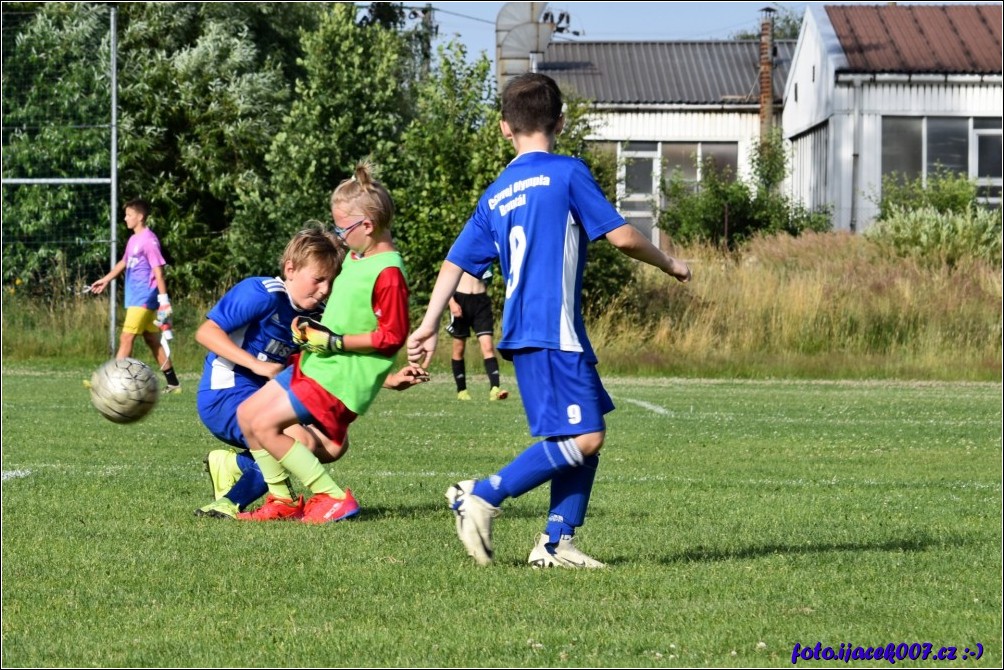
(124, 390)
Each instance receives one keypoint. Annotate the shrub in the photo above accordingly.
(944, 191)
(940, 237)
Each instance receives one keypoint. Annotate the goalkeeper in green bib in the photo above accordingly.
(344, 360)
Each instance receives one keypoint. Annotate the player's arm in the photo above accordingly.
(632, 243)
(390, 302)
(408, 376)
(99, 285)
(215, 339)
(422, 342)
(158, 275)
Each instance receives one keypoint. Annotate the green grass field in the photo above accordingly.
(737, 519)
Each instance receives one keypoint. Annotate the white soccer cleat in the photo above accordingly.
(563, 555)
(474, 520)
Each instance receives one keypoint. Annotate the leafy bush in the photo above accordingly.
(944, 191)
(936, 236)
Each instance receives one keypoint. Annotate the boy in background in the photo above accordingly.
(471, 309)
(148, 308)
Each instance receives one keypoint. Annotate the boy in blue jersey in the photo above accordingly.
(536, 219)
(249, 340)
(249, 337)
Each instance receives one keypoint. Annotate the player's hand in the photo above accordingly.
(679, 270)
(421, 346)
(98, 286)
(164, 318)
(310, 335)
(164, 312)
(455, 309)
(406, 377)
(268, 369)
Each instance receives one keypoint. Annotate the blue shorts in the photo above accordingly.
(285, 378)
(561, 391)
(218, 411)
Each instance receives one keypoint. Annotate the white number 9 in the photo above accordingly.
(517, 249)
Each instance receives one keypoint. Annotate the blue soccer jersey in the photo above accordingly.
(257, 315)
(537, 219)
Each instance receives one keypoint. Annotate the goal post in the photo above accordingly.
(110, 180)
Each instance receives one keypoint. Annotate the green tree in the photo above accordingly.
(56, 123)
(448, 154)
(351, 103)
(200, 104)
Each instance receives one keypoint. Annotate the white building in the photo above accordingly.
(665, 106)
(882, 90)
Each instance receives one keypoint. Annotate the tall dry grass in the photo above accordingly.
(819, 305)
(67, 327)
(825, 305)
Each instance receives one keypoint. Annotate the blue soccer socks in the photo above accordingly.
(531, 468)
(251, 484)
(570, 491)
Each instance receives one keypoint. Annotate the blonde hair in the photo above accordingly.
(361, 191)
(314, 245)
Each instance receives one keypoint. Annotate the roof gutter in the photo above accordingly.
(856, 79)
(674, 107)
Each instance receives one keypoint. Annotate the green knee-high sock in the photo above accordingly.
(274, 474)
(305, 467)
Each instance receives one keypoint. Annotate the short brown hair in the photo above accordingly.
(531, 102)
(314, 245)
(139, 205)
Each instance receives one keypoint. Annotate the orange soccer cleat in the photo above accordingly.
(275, 509)
(322, 508)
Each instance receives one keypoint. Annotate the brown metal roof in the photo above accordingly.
(706, 72)
(937, 39)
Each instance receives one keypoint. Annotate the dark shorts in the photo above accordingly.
(475, 314)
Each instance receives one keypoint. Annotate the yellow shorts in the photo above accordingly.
(139, 320)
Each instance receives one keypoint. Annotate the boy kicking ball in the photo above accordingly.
(536, 220)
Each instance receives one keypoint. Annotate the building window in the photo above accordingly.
(681, 158)
(637, 184)
(902, 147)
(643, 166)
(947, 145)
(917, 147)
(722, 156)
(691, 159)
(985, 153)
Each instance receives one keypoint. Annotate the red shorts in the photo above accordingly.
(330, 415)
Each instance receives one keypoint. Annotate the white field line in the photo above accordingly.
(15, 474)
(649, 406)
